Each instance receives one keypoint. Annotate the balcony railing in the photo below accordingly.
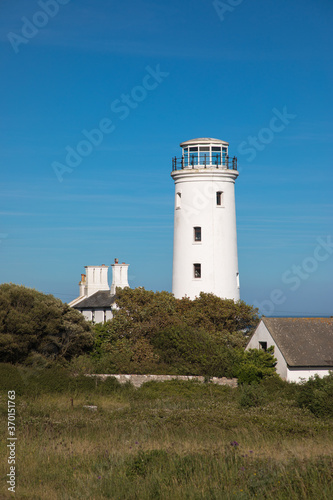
(204, 161)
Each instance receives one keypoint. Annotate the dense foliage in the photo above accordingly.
(149, 333)
(317, 395)
(154, 332)
(34, 324)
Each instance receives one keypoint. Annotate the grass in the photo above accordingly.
(169, 441)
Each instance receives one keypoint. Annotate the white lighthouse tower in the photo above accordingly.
(205, 240)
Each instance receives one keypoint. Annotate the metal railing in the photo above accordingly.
(204, 161)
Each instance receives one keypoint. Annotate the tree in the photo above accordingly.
(255, 364)
(194, 337)
(31, 321)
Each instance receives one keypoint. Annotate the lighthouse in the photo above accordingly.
(205, 239)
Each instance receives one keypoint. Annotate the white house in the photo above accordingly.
(97, 299)
(205, 240)
(303, 347)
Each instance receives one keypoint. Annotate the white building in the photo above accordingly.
(96, 299)
(303, 347)
(205, 240)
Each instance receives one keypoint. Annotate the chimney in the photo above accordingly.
(96, 279)
(82, 285)
(119, 276)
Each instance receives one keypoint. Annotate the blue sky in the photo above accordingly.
(224, 70)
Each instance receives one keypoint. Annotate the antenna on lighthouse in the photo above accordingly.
(205, 239)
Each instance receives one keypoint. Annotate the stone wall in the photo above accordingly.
(138, 380)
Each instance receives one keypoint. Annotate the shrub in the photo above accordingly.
(255, 365)
(193, 351)
(317, 395)
(11, 378)
(32, 321)
(252, 395)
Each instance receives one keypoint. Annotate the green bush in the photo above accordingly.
(317, 395)
(193, 351)
(12, 378)
(255, 365)
(252, 395)
(31, 321)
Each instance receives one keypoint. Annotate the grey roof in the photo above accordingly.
(303, 341)
(203, 140)
(98, 300)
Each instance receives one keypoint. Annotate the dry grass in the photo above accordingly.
(169, 441)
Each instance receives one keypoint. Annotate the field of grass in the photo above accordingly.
(170, 440)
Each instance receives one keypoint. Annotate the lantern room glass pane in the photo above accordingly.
(193, 159)
(224, 155)
(204, 155)
(185, 153)
(216, 155)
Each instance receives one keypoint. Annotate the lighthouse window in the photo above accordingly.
(219, 198)
(178, 200)
(197, 234)
(224, 155)
(204, 155)
(216, 155)
(197, 270)
(194, 156)
(185, 157)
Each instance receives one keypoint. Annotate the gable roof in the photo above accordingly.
(97, 300)
(303, 341)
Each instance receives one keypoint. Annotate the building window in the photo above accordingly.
(197, 270)
(104, 316)
(178, 200)
(197, 234)
(219, 198)
(263, 346)
(93, 316)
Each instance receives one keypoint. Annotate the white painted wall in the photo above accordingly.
(87, 315)
(298, 375)
(96, 279)
(98, 315)
(262, 335)
(286, 372)
(119, 276)
(217, 252)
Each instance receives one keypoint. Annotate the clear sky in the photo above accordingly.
(150, 75)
